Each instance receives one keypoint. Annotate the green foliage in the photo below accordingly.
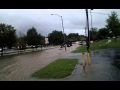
(113, 24)
(41, 39)
(103, 33)
(7, 36)
(32, 36)
(21, 41)
(58, 69)
(73, 37)
(99, 45)
(82, 38)
(56, 37)
(93, 33)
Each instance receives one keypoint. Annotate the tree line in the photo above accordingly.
(111, 29)
(9, 39)
(33, 39)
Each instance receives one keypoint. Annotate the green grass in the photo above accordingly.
(99, 45)
(60, 68)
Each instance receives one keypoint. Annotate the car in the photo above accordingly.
(62, 45)
(81, 43)
(68, 45)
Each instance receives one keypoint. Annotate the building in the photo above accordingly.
(46, 41)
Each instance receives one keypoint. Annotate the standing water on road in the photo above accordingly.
(105, 66)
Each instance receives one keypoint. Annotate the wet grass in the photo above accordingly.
(58, 69)
(99, 45)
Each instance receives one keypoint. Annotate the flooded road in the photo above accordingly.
(105, 65)
(20, 68)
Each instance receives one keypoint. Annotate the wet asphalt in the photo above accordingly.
(104, 66)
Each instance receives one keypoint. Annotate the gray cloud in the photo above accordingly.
(74, 19)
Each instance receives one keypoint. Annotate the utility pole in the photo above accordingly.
(88, 39)
(86, 33)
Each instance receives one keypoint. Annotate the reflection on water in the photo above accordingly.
(116, 58)
(106, 63)
(105, 66)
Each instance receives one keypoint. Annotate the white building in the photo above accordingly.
(46, 40)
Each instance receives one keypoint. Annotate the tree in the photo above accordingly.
(103, 33)
(42, 41)
(82, 38)
(7, 36)
(32, 37)
(73, 37)
(93, 33)
(56, 38)
(113, 24)
(21, 41)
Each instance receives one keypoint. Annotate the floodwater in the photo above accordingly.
(104, 65)
(20, 68)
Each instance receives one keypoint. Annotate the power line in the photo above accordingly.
(102, 13)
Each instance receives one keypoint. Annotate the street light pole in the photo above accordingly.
(62, 27)
(63, 32)
(91, 24)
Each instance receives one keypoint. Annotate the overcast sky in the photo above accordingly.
(74, 20)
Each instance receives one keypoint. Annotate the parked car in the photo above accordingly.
(81, 43)
(62, 45)
(68, 45)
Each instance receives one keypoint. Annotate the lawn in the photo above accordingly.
(60, 68)
(99, 45)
